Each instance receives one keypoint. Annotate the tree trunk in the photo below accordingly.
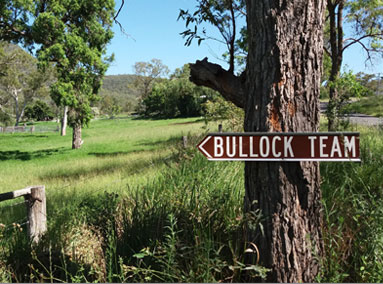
(76, 140)
(336, 44)
(21, 115)
(64, 121)
(16, 98)
(15, 95)
(280, 93)
(283, 81)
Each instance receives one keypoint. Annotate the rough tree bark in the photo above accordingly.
(280, 93)
(285, 60)
(76, 140)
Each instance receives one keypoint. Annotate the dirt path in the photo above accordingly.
(357, 118)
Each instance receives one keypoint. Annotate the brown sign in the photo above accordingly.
(281, 146)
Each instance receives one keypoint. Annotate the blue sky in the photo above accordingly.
(154, 33)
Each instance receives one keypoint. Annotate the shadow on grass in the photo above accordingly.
(111, 154)
(130, 168)
(28, 155)
(188, 122)
(169, 142)
(159, 117)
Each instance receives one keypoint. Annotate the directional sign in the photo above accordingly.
(274, 146)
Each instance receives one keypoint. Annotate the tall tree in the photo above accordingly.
(279, 92)
(366, 20)
(73, 34)
(21, 81)
(146, 75)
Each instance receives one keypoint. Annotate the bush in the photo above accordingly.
(110, 106)
(39, 111)
(6, 119)
(222, 110)
(177, 97)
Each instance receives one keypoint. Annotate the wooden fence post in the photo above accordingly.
(32, 128)
(37, 213)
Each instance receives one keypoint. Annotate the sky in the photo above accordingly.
(152, 31)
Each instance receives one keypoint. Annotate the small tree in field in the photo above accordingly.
(74, 35)
(39, 111)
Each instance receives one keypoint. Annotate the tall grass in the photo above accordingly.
(184, 221)
(353, 210)
(186, 225)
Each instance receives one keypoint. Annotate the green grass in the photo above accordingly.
(134, 206)
(131, 205)
(370, 105)
(115, 152)
(353, 211)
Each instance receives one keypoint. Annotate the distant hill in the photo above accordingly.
(119, 84)
(120, 87)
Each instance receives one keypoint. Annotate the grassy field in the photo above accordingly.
(111, 203)
(134, 206)
(115, 152)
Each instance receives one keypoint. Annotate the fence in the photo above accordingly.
(31, 129)
(35, 201)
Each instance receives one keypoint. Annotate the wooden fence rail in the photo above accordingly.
(31, 129)
(36, 209)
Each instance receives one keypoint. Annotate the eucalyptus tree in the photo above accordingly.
(21, 81)
(73, 34)
(279, 92)
(365, 18)
(147, 73)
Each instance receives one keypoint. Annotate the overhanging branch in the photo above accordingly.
(204, 73)
(359, 40)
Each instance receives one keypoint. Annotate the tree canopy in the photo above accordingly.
(14, 20)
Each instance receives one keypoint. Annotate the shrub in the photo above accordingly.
(39, 111)
(177, 97)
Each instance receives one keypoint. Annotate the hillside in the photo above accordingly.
(120, 87)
